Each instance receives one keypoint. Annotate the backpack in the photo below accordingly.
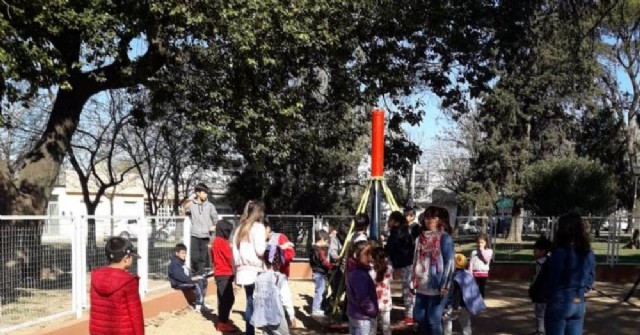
(267, 304)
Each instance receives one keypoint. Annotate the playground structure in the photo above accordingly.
(371, 200)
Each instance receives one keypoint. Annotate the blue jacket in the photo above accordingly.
(362, 300)
(179, 273)
(469, 291)
(570, 275)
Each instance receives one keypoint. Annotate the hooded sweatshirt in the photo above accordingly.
(221, 250)
(362, 299)
(203, 216)
(115, 303)
(179, 273)
(247, 259)
(400, 247)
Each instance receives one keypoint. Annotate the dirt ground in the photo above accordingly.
(509, 312)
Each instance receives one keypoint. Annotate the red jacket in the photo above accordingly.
(289, 254)
(222, 257)
(115, 303)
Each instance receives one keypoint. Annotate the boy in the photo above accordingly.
(414, 226)
(320, 265)
(280, 240)
(203, 216)
(181, 278)
(115, 302)
(223, 264)
(537, 288)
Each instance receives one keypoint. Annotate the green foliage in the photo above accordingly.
(556, 186)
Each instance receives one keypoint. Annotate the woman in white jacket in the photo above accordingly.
(249, 244)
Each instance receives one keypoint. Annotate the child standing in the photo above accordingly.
(400, 248)
(115, 302)
(222, 257)
(480, 261)
(362, 300)
(465, 298)
(320, 266)
(272, 305)
(382, 274)
(182, 278)
(538, 283)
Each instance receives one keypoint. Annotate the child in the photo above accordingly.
(281, 240)
(223, 263)
(480, 261)
(181, 278)
(538, 283)
(320, 266)
(465, 298)
(382, 274)
(400, 248)
(272, 305)
(362, 300)
(115, 302)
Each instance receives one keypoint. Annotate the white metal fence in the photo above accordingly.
(45, 261)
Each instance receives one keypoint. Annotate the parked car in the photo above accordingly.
(623, 223)
(469, 227)
(129, 229)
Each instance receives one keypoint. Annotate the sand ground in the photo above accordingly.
(509, 312)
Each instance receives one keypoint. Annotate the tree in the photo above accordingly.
(531, 112)
(620, 56)
(558, 186)
(95, 153)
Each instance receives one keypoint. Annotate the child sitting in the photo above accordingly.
(537, 288)
(320, 266)
(382, 274)
(181, 278)
(362, 300)
(272, 304)
(465, 298)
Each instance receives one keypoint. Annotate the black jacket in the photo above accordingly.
(315, 260)
(538, 284)
(177, 274)
(400, 247)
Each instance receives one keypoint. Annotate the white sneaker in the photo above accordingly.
(319, 314)
(198, 308)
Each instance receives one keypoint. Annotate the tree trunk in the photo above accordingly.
(91, 228)
(515, 231)
(28, 194)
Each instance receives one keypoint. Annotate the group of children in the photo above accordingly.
(366, 270)
(370, 267)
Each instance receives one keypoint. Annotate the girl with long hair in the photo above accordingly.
(432, 271)
(249, 244)
(571, 275)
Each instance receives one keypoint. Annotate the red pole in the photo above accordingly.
(377, 143)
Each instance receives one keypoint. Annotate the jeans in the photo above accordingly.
(248, 290)
(564, 318)
(199, 288)
(319, 280)
(361, 327)
(199, 255)
(226, 298)
(427, 313)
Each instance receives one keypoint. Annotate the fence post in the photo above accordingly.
(82, 262)
(186, 238)
(143, 251)
(76, 268)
